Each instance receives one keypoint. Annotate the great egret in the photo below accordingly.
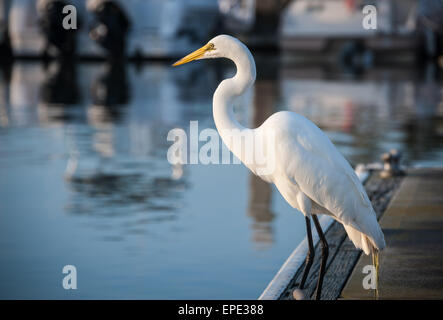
(308, 170)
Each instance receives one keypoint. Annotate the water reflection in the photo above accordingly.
(86, 145)
(366, 115)
(109, 175)
(59, 93)
(109, 93)
(266, 93)
(4, 94)
(24, 93)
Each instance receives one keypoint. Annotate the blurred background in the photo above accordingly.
(84, 115)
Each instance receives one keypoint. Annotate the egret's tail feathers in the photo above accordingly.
(368, 243)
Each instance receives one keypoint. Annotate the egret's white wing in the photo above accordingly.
(318, 168)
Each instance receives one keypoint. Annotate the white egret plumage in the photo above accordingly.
(308, 170)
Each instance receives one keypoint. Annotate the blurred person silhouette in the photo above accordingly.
(430, 13)
(5, 41)
(110, 27)
(59, 41)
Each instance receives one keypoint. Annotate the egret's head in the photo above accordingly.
(222, 46)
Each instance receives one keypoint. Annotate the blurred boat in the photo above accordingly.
(238, 15)
(255, 22)
(331, 25)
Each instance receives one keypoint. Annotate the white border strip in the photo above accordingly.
(281, 280)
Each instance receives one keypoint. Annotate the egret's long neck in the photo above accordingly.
(227, 91)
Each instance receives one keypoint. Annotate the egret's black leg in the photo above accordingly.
(310, 255)
(324, 256)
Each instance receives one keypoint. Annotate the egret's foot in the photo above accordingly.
(298, 294)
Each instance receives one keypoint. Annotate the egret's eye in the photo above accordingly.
(211, 47)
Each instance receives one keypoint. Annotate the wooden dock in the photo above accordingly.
(411, 267)
(343, 256)
(410, 209)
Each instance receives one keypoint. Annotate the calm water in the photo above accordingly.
(84, 178)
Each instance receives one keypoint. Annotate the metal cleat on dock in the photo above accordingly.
(391, 164)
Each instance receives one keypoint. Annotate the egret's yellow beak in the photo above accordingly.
(194, 55)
